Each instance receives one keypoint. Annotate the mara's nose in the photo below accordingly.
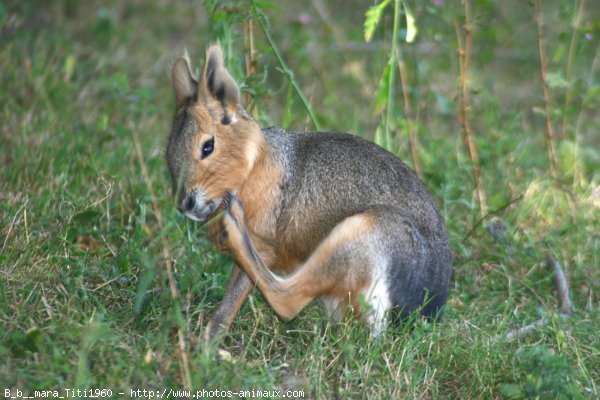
(187, 204)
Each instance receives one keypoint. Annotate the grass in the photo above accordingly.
(84, 298)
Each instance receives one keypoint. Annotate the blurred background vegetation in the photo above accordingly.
(87, 217)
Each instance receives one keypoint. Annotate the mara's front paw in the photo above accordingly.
(235, 209)
(234, 221)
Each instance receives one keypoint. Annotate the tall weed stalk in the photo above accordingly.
(548, 102)
(464, 53)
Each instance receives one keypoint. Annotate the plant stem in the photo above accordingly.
(568, 72)
(464, 53)
(543, 72)
(289, 74)
(408, 111)
(250, 62)
(392, 62)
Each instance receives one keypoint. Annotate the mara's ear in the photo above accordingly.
(219, 84)
(184, 83)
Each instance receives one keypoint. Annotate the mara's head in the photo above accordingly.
(213, 142)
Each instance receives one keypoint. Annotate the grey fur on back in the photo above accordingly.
(331, 176)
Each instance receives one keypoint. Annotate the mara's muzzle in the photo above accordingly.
(194, 205)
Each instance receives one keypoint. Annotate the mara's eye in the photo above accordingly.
(207, 148)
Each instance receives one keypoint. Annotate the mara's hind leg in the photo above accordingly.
(344, 266)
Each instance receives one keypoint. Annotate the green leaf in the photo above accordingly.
(379, 138)
(372, 17)
(411, 25)
(267, 5)
(556, 80)
(69, 67)
(383, 90)
(592, 94)
(102, 123)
